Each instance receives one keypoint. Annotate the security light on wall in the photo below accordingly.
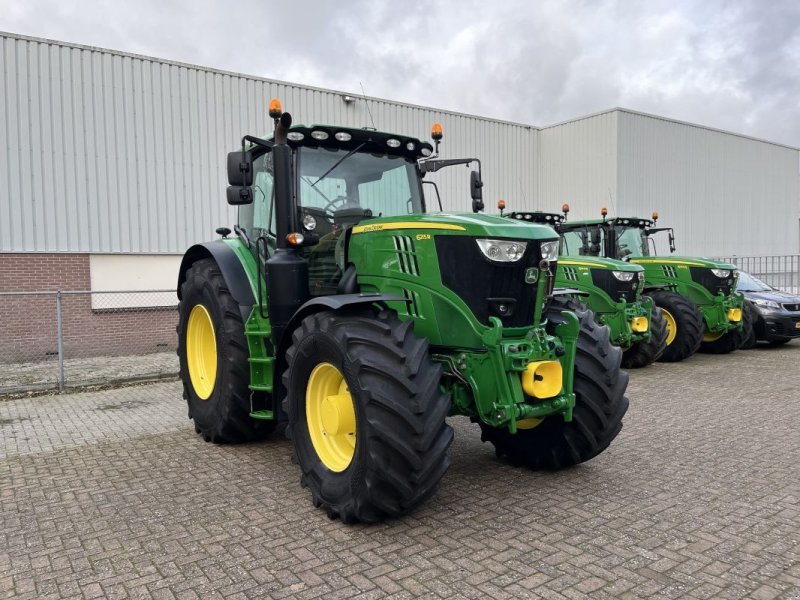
(348, 99)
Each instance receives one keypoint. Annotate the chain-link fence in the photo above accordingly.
(68, 339)
(782, 272)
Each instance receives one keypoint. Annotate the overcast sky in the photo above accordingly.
(728, 64)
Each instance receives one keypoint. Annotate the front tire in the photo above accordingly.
(685, 325)
(212, 352)
(735, 339)
(366, 415)
(600, 404)
(642, 354)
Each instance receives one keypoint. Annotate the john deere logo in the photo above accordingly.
(531, 275)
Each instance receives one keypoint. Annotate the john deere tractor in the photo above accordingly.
(612, 289)
(696, 295)
(343, 311)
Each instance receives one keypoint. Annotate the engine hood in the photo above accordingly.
(691, 261)
(593, 262)
(477, 225)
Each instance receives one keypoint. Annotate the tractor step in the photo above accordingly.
(262, 415)
(262, 360)
(257, 387)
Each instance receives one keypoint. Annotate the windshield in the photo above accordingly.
(583, 241)
(374, 185)
(631, 243)
(748, 283)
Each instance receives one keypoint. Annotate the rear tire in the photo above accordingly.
(642, 354)
(396, 411)
(600, 404)
(218, 397)
(685, 325)
(733, 340)
(780, 341)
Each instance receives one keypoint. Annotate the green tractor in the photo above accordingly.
(696, 295)
(612, 289)
(344, 312)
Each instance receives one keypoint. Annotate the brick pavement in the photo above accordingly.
(112, 494)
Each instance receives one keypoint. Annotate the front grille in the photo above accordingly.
(715, 285)
(618, 290)
(488, 287)
(792, 307)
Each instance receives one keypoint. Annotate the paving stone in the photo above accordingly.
(111, 494)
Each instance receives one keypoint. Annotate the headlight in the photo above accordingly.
(765, 303)
(623, 275)
(550, 250)
(641, 275)
(721, 273)
(309, 222)
(502, 250)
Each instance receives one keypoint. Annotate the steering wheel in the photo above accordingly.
(335, 204)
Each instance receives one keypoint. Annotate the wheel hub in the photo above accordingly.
(331, 417)
(672, 326)
(201, 351)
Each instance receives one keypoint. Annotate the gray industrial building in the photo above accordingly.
(113, 155)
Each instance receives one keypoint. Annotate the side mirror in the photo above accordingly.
(476, 190)
(239, 194)
(240, 169)
(671, 241)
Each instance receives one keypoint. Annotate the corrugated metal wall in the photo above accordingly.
(724, 194)
(107, 152)
(578, 165)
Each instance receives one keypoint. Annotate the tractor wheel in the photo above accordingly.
(685, 325)
(366, 415)
(213, 359)
(642, 354)
(600, 404)
(732, 340)
(750, 339)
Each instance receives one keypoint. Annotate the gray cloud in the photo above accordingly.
(726, 64)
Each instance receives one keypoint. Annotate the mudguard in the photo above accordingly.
(337, 302)
(232, 272)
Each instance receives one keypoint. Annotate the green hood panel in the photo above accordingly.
(594, 262)
(477, 225)
(690, 261)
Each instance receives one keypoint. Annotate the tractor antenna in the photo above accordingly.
(366, 103)
(522, 190)
(611, 202)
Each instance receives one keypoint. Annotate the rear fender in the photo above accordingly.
(232, 272)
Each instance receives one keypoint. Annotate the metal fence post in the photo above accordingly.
(60, 334)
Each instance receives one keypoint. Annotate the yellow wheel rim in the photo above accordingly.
(201, 351)
(331, 417)
(672, 326)
(712, 337)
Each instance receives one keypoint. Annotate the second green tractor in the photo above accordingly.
(612, 289)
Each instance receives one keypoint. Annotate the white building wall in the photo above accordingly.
(723, 193)
(105, 152)
(578, 165)
(111, 152)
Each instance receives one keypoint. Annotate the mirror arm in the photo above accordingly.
(431, 166)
